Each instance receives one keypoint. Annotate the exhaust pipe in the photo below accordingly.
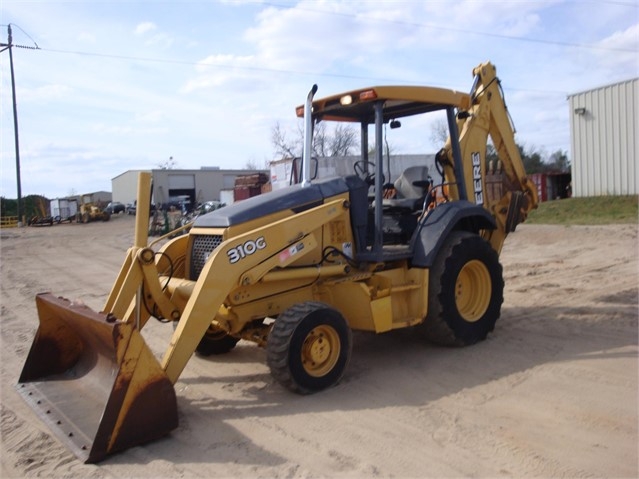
(308, 137)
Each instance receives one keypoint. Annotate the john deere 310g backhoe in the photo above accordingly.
(295, 271)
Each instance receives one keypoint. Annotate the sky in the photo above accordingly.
(124, 85)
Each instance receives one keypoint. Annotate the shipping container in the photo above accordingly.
(552, 186)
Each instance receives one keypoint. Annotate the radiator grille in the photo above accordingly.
(203, 246)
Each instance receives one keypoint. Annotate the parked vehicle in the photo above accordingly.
(90, 211)
(114, 208)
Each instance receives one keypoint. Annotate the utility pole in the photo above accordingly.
(9, 46)
(15, 127)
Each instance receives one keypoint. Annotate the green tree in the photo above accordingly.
(532, 159)
(32, 205)
(558, 161)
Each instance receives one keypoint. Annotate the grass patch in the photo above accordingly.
(600, 210)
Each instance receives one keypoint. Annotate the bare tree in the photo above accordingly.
(343, 140)
(251, 165)
(285, 147)
(439, 132)
(340, 141)
(167, 164)
(320, 140)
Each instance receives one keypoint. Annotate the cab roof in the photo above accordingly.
(399, 101)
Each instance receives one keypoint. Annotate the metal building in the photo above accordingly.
(603, 135)
(184, 186)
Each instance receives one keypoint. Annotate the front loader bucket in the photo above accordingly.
(94, 381)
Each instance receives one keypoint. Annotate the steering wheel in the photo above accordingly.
(363, 173)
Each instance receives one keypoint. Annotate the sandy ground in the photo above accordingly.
(552, 393)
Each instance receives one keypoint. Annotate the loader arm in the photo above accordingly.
(280, 243)
(502, 188)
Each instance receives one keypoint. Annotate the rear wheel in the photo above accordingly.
(466, 290)
(309, 347)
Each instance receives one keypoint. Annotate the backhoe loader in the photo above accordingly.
(295, 271)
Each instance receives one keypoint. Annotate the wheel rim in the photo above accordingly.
(215, 334)
(473, 289)
(320, 351)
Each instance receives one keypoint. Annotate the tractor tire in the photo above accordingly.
(215, 342)
(309, 347)
(466, 290)
(85, 218)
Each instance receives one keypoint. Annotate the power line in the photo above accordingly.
(458, 30)
(335, 75)
(35, 47)
(260, 69)
(216, 65)
(13, 45)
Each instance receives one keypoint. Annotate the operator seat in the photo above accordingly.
(409, 195)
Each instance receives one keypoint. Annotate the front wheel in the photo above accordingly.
(309, 347)
(466, 290)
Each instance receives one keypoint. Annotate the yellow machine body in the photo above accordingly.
(293, 271)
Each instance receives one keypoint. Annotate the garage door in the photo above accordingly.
(181, 182)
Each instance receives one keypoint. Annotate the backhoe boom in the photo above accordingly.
(501, 187)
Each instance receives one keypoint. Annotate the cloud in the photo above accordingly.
(86, 37)
(153, 36)
(110, 130)
(627, 39)
(155, 116)
(44, 93)
(326, 37)
(144, 28)
(309, 37)
(217, 70)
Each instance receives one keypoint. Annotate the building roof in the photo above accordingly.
(602, 87)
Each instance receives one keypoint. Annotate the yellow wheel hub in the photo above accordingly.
(320, 351)
(473, 289)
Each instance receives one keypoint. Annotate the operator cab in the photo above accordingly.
(387, 215)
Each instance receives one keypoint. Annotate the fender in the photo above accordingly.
(435, 227)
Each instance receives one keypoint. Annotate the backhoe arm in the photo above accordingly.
(501, 187)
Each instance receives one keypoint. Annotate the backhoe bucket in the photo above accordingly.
(94, 381)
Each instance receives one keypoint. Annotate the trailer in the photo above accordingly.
(64, 209)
